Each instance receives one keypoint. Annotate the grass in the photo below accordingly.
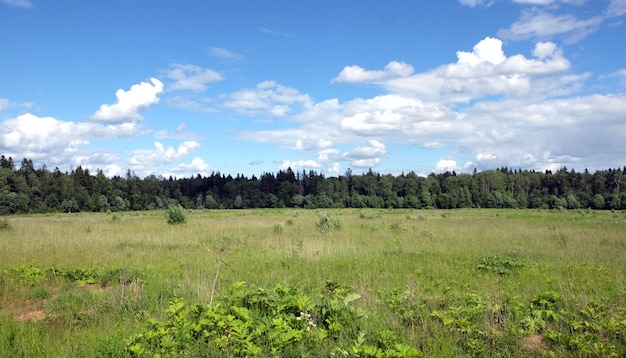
(425, 261)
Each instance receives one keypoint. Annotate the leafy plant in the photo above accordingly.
(497, 264)
(253, 321)
(176, 215)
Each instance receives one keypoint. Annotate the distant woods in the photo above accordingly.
(26, 189)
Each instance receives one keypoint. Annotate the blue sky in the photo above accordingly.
(181, 88)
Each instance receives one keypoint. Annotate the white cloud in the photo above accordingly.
(191, 77)
(298, 165)
(366, 156)
(39, 137)
(543, 134)
(326, 154)
(393, 115)
(620, 73)
(536, 24)
(147, 158)
(446, 165)
(112, 170)
(534, 2)
(616, 8)
(356, 74)
(334, 168)
(487, 110)
(26, 4)
(225, 54)
(474, 3)
(484, 72)
(4, 103)
(268, 98)
(190, 104)
(197, 166)
(488, 50)
(130, 103)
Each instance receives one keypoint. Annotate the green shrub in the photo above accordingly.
(326, 223)
(176, 215)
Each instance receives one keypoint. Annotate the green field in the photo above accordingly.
(387, 283)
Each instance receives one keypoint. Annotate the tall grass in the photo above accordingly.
(433, 257)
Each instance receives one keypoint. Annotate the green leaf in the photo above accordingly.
(351, 297)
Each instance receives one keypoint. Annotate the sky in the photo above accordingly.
(180, 88)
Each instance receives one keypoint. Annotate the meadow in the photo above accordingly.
(333, 282)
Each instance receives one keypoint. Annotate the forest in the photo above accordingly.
(26, 189)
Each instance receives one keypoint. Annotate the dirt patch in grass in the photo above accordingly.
(95, 288)
(33, 316)
(533, 343)
(24, 311)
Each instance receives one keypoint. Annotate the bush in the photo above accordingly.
(325, 222)
(176, 215)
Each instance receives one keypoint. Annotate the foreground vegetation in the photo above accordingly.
(292, 282)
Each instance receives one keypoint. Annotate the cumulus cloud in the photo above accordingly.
(36, 137)
(563, 130)
(268, 98)
(191, 77)
(356, 74)
(446, 165)
(130, 103)
(148, 158)
(488, 109)
(486, 71)
(197, 166)
(394, 116)
(488, 50)
(298, 165)
(366, 156)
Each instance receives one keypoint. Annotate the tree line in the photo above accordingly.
(26, 189)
